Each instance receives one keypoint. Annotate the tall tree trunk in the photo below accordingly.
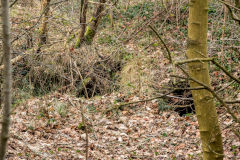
(83, 17)
(203, 100)
(7, 77)
(91, 29)
(1, 54)
(94, 22)
(43, 30)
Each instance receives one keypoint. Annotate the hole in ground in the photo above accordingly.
(183, 103)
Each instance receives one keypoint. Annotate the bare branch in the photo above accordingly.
(159, 37)
(210, 90)
(233, 15)
(12, 4)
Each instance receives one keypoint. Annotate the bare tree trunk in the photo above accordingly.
(7, 78)
(203, 100)
(94, 22)
(1, 54)
(43, 30)
(91, 29)
(83, 17)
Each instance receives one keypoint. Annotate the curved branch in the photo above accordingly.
(233, 15)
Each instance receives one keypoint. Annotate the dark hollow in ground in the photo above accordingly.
(182, 104)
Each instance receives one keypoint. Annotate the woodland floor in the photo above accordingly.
(50, 128)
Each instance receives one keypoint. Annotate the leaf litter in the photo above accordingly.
(40, 130)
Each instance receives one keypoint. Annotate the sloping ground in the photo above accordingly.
(50, 128)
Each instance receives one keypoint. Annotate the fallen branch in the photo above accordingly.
(116, 107)
(232, 101)
(184, 99)
(13, 61)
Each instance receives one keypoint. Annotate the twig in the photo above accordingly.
(94, 89)
(12, 4)
(236, 133)
(86, 131)
(226, 101)
(80, 75)
(134, 102)
(14, 60)
(232, 101)
(182, 106)
(210, 90)
(38, 20)
(195, 88)
(187, 99)
(168, 51)
(213, 61)
(225, 71)
(147, 100)
(224, 87)
(219, 154)
(229, 6)
(84, 124)
(58, 2)
(99, 3)
(142, 26)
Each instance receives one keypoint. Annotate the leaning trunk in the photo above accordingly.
(94, 22)
(7, 77)
(203, 100)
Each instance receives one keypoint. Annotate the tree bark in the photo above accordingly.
(7, 77)
(43, 30)
(94, 22)
(203, 100)
(83, 17)
(1, 54)
(91, 29)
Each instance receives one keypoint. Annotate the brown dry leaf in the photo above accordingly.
(180, 146)
(125, 112)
